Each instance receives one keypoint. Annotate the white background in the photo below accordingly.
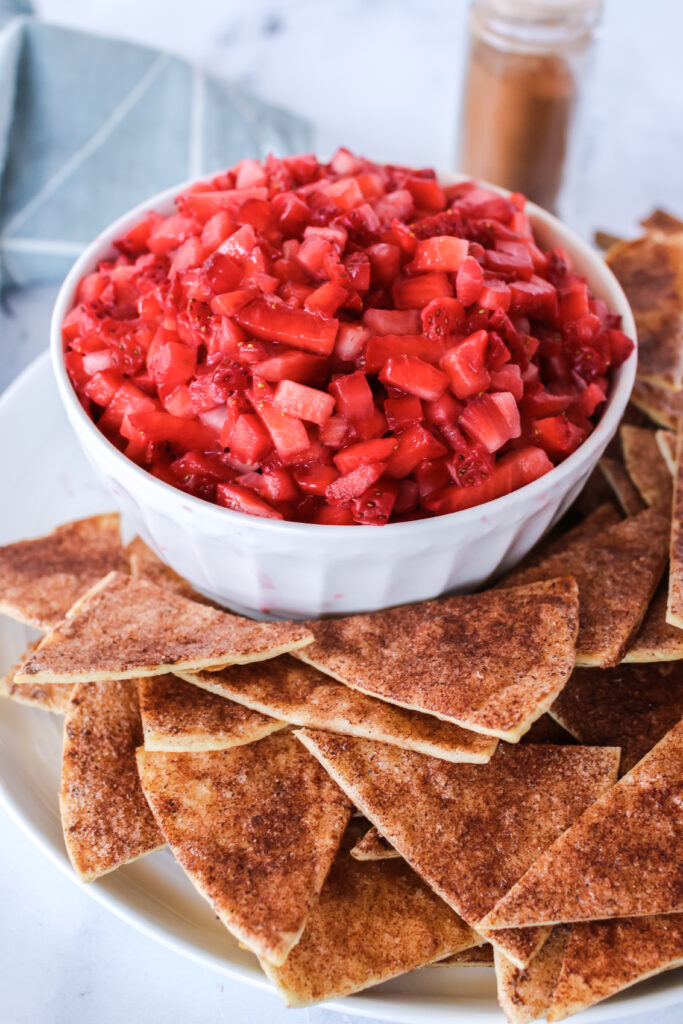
(383, 77)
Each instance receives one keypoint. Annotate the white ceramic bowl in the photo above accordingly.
(280, 569)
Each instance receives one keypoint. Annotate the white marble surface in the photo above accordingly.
(381, 76)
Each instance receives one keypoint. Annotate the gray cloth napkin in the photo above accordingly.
(89, 127)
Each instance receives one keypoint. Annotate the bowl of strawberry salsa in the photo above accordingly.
(264, 364)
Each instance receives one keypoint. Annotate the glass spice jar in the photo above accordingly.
(526, 68)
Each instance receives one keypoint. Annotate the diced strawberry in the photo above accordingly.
(494, 294)
(442, 319)
(375, 506)
(536, 298)
(154, 425)
(377, 450)
(326, 299)
(288, 434)
(511, 471)
(591, 397)
(416, 292)
(392, 321)
(315, 479)
(415, 377)
(441, 253)
(178, 402)
(294, 327)
(469, 281)
(400, 411)
(432, 475)
(510, 257)
(303, 403)
(465, 364)
(353, 396)
(539, 402)
(558, 436)
(173, 364)
(620, 346)
(249, 440)
(491, 420)
(243, 499)
(102, 386)
(371, 426)
(334, 515)
(574, 302)
(414, 445)
(296, 366)
(427, 193)
(508, 378)
(343, 490)
(350, 342)
(382, 347)
(275, 485)
(335, 431)
(385, 260)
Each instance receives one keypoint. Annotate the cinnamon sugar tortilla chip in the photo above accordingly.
(595, 522)
(656, 640)
(674, 607)
(490, 662)
(180, 717)
(373, 846)
(476, 956)
(605, 957)
(125, 627)
(660, 220)
(645, 465)
(663, 406)
(145, 565)
(526, 993)
(105, 817)
(469, 830)
(595, 492)
(255, 828)
(621, 858)
(630, 706)
(617, 572)
(666, 442)
(624, 489)
(41, 579)
(54, 697)
(291, 691)
(650, 270)
(372, 922)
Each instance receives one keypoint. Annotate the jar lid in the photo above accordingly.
(534, 26)
(540, 10)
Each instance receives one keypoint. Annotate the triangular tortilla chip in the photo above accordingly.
(373, 846)
(526, 993)
(666, 442)
(180, 717)
(660, 220)
(656, 640)
(650, 270)
(595, 522)
(617, 572)
(255, 828)
(125, 627)
(490, 662)
(663, 406)
(469, 830)
(630, 706)
(476, 956)
(41, 579)
(595, 492)
(145, 565)
(646, 466)
(105, 817)
(605, 957)
(372, 922)
(54, 697)
(674, 607)
(625, 491)
(621, 858)
(286, 689)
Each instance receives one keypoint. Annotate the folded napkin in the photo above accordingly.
(91, 126)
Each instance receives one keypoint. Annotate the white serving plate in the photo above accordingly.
(45, 481)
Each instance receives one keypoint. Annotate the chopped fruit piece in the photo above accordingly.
(492, 420)
(377, 450)
(465, 365)
(243, 499)
(469, 281)
(353, 396)
(295, 327)
(441, 253)
(416, 292)
(344, 489)
(415, 377)
(303, 402)
(288, 434)
(341, 343)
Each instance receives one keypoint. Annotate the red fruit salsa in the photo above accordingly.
(341, 343)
